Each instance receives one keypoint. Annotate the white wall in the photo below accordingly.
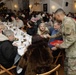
(10, 4)
(59, 4)
(54, 6)
(68, 8)
(50, 3)
(15, 2)
(20, 4)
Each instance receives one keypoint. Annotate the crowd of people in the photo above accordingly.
(44, 29)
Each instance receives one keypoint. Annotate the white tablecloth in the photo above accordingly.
(24, 40)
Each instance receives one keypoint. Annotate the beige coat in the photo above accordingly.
(44, 33)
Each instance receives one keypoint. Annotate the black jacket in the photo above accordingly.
(32, 31)
(7, 53)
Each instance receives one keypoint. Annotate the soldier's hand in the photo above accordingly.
(57, 45)
(48, 36)
(54, 48)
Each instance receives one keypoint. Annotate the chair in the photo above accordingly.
(55, 70)
(60, 54)
(4, 70)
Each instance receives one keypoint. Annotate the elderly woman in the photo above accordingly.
(2, 37)
(7, 50)
(38, 58)
(43, 30)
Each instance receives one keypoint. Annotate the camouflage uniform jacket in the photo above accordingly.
(69, 36)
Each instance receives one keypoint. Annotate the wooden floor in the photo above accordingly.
(61, 71)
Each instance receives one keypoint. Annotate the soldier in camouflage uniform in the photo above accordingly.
(68, 31)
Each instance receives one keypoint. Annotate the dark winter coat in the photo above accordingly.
(7, 53)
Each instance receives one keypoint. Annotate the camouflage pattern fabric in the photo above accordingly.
(70, 66)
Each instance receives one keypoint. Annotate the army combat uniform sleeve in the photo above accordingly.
(55, 35)
(68, 33)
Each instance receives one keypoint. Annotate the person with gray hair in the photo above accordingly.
(9, 34)
(8, 51)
